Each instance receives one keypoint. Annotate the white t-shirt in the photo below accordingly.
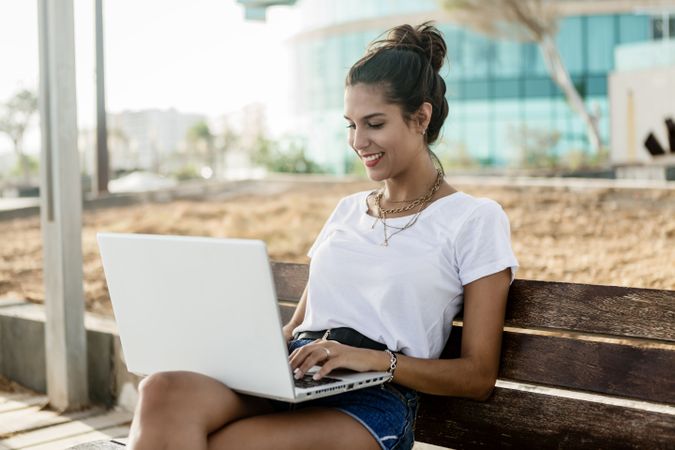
(406, 294)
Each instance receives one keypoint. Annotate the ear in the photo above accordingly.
(423, 116)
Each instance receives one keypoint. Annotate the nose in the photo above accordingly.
(360, 139)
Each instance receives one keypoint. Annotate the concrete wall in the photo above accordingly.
(22, 352)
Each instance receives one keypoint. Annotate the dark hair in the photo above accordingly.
(406, 64)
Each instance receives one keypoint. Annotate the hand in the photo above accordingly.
(331, 355)
(288, 331)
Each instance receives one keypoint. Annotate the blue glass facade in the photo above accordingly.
(494, 86)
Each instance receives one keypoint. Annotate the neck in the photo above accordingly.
(412, 184)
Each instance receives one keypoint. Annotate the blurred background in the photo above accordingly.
(563, 113)
(201, 90)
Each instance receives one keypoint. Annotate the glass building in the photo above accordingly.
(495, 87)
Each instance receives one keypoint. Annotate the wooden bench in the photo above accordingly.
(582, 367)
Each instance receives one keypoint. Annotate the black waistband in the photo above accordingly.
(345, 336)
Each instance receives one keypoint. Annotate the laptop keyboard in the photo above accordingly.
(308, 382)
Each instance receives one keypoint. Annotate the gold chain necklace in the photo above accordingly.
(421, 202)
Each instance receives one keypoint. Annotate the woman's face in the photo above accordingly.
(383, 141)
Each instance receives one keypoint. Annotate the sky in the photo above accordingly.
(198, 56)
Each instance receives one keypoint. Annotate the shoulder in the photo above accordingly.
(482, 207)
(465, 207)
(473, 214)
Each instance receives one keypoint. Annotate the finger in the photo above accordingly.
(297, 356)
(300, 354)
(301, 350)
(297, 349)
(316, 357)
(326, 369)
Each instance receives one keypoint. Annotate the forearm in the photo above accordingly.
(299, 313)
(459, 377)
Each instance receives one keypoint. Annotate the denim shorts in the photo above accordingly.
(388, 410)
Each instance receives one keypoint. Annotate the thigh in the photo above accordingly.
(195, 399)
(309, 428)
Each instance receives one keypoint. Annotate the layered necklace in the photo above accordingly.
(418, 203)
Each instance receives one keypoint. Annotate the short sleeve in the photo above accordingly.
(483, 244)
(325, 231)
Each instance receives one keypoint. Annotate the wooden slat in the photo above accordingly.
(82, 438)
(100, 445)
(620, 311)
(627, 369)
(27, 402)
(290, 280)
(33, 418)
(286, 312)
(70, 429)
(526, 420)
(14, 396)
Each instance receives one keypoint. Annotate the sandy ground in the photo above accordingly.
(10, 387)
(601, 236)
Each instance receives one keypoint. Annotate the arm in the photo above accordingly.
(472, 375)
(297, 318)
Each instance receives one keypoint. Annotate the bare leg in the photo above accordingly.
(311, 428)
(177, 410)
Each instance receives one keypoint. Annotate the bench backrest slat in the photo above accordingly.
(528, 420)
(615, 369)
(619, 311)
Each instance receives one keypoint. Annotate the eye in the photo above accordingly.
(370, 125)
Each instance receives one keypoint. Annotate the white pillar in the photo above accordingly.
(61, 209)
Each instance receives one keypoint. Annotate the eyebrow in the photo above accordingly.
(369, 116)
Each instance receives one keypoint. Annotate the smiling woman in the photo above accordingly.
(389, 271)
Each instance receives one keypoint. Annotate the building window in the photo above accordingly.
(507, 88)
(663, 26)
(633, 28)
(570, 45)
(596, 85)
(539, 87)
(600, 43)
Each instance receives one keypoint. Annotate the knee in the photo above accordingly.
(159, 389)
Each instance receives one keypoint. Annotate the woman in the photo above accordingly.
(389, 271)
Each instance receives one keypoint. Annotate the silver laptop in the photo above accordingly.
(207, 305)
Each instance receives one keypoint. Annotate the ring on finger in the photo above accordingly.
(327, 352)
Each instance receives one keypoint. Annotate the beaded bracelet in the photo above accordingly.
(392, 364)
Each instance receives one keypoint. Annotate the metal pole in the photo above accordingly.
(61, 209)
(102, 165)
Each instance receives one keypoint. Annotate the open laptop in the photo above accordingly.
(207, 305)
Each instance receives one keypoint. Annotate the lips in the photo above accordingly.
(372, 159)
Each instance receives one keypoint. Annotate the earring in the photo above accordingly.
(424, 132)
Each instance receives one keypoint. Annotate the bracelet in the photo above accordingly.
(392, 364)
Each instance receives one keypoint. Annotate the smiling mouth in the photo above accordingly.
(373, 157)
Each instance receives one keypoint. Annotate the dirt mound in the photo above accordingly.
(600, 236)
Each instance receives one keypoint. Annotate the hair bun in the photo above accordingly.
(425, 39)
